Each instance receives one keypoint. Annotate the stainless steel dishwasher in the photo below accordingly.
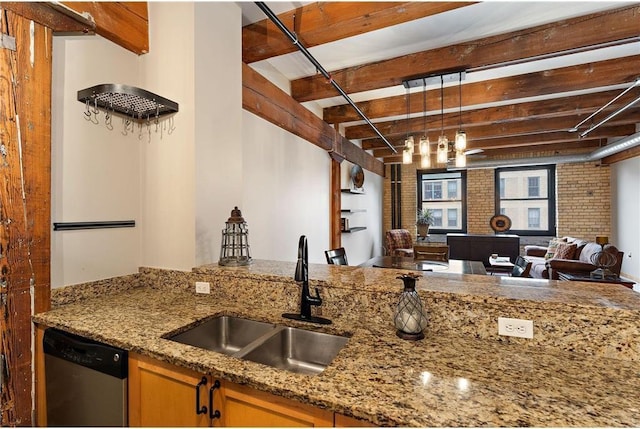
(86, 381)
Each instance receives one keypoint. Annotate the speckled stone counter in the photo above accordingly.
(461, 374)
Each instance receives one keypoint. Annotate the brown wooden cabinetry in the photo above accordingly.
(244, 406)
(161, 394)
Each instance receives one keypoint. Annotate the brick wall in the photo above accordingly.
(480, 200)
(583, 200)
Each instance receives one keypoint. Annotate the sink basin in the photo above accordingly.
(292, 349)
(297, 350)
(224, 334)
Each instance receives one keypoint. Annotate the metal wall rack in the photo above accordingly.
(135, 103)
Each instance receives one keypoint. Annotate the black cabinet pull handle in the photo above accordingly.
(199, 409)
(213, 414)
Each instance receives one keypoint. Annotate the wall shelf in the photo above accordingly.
(352, 191)
(353, 210)
(354, 229)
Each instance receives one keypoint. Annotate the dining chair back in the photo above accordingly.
(336, 256)
(521, 267)
(432, 252)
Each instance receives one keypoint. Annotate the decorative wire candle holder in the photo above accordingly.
(234, 250)
(603, 260)
(409, 318)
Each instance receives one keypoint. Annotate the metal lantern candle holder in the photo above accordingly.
(603, 260)
(234, 251)
(409, 318)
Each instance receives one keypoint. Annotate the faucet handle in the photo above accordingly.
(318, 295)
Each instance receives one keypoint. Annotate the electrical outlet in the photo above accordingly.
(515, 327)
(203, 287)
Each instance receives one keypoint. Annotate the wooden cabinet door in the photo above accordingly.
(247, 407)
(342, 421)
(161, 394)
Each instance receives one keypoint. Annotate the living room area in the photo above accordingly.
(587, 207)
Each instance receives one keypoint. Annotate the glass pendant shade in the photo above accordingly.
(407, 156)
(443, 149)
(424, 146)
(409, 143)
(461, 159)
(461, 140)
(425, 161)
(425, 156)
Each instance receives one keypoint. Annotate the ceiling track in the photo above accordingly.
(318, 66)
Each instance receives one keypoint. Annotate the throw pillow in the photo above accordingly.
(565, 251)
(551, 249)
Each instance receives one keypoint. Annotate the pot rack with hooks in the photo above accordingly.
(134, 105)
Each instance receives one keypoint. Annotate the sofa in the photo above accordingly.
(575, 257)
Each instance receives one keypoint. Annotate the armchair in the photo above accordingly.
(399, 243)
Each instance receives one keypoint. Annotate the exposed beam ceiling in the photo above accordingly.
(532, 73)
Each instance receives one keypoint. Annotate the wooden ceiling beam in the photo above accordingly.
(621, 156)
(50, 17)
(574, 78)
(513, 130)
(524, 151)
(124, 23)
(325, 22)
(264, 99)
(550, 108)
(511, 143)
(545, 40)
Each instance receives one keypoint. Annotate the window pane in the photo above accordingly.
(452, 189)
(534, 217)
(534, 186)
(437, 217)
(452, 218)
(527, 197)
(443, 193)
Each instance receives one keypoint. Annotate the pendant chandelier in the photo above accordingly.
(407, 152)
(444, 146)
(425, 155)
(443, 142)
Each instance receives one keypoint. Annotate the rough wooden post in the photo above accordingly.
(25, 204)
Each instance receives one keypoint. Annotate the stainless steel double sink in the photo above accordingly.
(293, 349)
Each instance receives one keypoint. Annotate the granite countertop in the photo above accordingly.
(443, 380)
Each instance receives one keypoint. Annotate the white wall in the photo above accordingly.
(286, 192)
(180, 188)
(94, 170)
(625, 185)
(365, 244)
(167, 168)
(218, 126)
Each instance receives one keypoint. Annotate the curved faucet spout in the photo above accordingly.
(302, 267)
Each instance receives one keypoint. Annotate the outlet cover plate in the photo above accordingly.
(203, 287)
(520, 328)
